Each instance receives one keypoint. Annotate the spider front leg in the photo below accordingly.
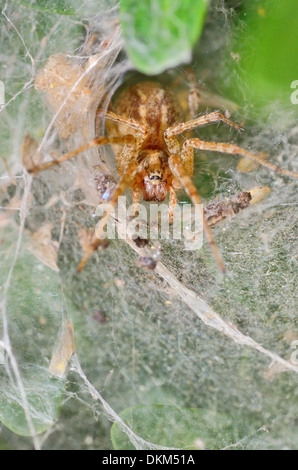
(140, 128)
(125, 140)
(178, 171)
(231, 149)
(127, 176)
(216, 116)
(127, 167)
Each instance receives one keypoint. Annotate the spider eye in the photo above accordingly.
(155, 177)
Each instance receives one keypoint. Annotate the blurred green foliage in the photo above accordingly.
(44, 395)
(268, 49)
(177, 427)
(33, 307)
(161, 33)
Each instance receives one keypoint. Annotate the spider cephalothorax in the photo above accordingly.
(145, 123)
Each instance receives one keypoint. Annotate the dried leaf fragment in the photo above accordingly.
(63, 349)
(257, 194)
(44, 248)
(67, 86)
(105, 185)
(86, 238)
(30, 156)
(218, 211)
(246, 164)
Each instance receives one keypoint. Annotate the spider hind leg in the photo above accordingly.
(178, 171)
(234, 150)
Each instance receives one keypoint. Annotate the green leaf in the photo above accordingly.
(44, 394)
(60, 7)
(268, 50)
(160, 34)
(169, 426)
(33, 310)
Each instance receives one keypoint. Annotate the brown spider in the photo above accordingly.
(153, 160)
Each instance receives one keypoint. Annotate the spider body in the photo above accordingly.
(144, 126)
(152, 105)
(156, 108)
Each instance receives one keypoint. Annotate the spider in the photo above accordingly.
(153, 160)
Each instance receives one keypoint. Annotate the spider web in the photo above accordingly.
(179, 336)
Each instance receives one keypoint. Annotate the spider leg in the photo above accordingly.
(125, 140)
(189, 95)
(136, 201)
(130, 122)
(216, 116)
(232, 149)
(127, 176)
(128, 171)
(194, 94)
(172, 204)
(178, 171)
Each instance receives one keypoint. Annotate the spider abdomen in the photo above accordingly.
(151, 104)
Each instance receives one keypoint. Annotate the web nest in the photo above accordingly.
(152, 323)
